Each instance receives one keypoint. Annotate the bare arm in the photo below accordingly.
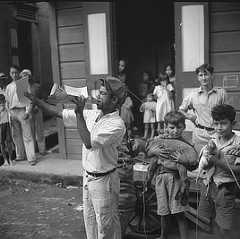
(189, 116)
(185, 106)
(81, 123)
(44, 106)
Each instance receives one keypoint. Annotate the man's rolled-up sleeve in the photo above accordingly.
(112, 134)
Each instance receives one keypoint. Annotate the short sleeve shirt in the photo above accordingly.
(221, 176)
(106, 134)
(202, 103)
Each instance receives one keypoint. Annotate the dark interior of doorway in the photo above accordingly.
(24, 44)
(145, 37)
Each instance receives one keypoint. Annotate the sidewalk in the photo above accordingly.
(49, 169)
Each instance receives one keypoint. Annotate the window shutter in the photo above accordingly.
(26, 12)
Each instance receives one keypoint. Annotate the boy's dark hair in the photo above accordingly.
(223, 111)
(15, 67)
(175, 118)
(204, 68)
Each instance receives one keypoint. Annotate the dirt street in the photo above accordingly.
(37, 211)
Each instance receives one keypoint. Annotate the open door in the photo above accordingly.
(191, 42)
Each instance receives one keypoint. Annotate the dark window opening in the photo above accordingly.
(24, 44)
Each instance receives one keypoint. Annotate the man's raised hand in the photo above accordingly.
(80, 104)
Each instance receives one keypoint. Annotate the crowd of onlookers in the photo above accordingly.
(217, 161)
(155, 98)
(21, 122)
(214, 143)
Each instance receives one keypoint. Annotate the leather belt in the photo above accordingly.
(18, 108)
(96, 175)
(204, 127)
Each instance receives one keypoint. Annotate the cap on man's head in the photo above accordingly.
(116, 87)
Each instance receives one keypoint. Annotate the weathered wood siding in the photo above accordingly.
(72, 61)
(70, 50)
(225, 49)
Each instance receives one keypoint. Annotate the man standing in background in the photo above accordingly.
(20, 120)
(201, 101)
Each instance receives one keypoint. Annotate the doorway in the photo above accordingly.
(145, 37)
(24, 44)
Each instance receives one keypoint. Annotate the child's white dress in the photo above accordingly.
(149, 109)
(164, 103)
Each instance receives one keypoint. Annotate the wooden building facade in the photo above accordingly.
(204, 32)
(24, 39)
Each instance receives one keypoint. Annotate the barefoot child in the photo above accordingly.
(149, 109)
(165, 103)
(127, 115)
(170, 169)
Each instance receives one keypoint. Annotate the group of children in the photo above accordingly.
(223, 184)
(157, 99)
(21, 123)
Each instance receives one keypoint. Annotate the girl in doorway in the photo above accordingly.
(165, 103)
(149, 116)
(169, 71)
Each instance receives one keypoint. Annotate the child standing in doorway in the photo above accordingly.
(164, 94)
(127, 115)
(149, 116)
(169, 71)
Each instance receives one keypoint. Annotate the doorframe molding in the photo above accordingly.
(56, 73)
(178, 46)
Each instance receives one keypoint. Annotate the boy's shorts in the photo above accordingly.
(167, 187)
(220, 204)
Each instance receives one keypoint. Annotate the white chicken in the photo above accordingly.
(206, 153)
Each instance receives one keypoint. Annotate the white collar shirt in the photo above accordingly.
(106, 133)
(12, 97)
(202, 103)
